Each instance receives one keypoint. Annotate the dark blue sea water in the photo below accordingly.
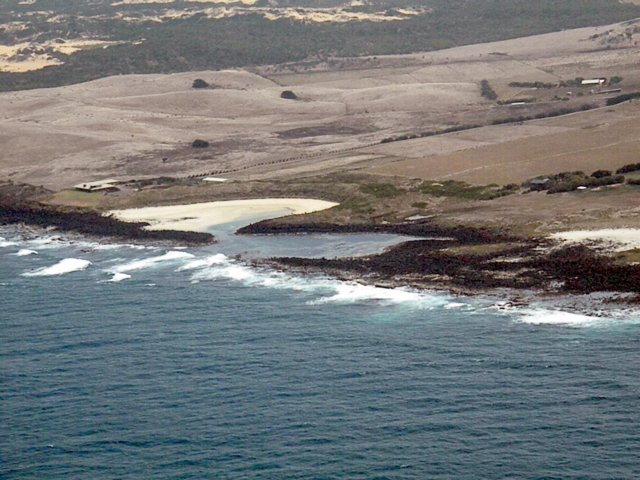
(190, 364)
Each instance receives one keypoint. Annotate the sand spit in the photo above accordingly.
(199, 217)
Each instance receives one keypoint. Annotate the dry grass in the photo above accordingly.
(608, 143)
(124, 126)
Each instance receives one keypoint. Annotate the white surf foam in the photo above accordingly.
(47, 242)
(25, 252)
(576, 320)
(118, 277)
(356, 293)
(216, 259)
(67, 265)
(171, 256)
(6, 243)
(327, 290)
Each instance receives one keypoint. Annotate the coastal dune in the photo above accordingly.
(200, 217)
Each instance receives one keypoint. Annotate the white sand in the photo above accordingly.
(199, 217)
(620, 238)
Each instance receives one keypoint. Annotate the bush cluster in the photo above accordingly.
(601, 173)
(197, 143)
(199, 83)
(553, 113)
(532, 85)
(622, 98)
(570, 181)
(428, 133)
(488, 92)
(631, 167)
(459, 128)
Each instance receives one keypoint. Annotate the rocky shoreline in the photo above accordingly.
(92, 223)
(466, 260)
(457, 258)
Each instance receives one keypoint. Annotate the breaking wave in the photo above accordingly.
(204, 265)
(6, 243)
(67, 265)
(576, 320)
(329, 290)
(24, 252)
(171, 256)
(216, 259)
(118, 277)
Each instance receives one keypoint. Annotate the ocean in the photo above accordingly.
(128, 362)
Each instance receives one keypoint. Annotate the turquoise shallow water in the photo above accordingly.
(128, 363)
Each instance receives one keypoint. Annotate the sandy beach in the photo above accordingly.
(619, 238)
(200, 217)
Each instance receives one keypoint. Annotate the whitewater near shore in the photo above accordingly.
(36, 256)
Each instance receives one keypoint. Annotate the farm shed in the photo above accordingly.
(97, 186)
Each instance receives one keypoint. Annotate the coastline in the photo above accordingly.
(459, 259)
(93, 224)
(469, 261)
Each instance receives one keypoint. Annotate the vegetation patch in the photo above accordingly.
(197, 143)
(381, 190)
(553, 113)
(623, 98)
(571, 181)
(532, 85)
(200, 43)
(631, 167)
(457, 189)
(199, 83)
(486, 91)
(288, 95)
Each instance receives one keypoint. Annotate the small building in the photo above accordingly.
(214, 179)
(97, 186)
(594, 81)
